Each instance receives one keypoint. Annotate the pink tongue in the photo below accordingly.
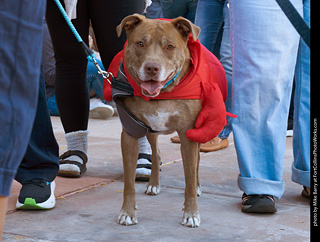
(151, 87)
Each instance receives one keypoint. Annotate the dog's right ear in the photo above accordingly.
(129, 23)
(185, 27)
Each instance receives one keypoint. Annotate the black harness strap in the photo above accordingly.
(121, 82)
(121, 89)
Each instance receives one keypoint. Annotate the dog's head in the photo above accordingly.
(157, 51)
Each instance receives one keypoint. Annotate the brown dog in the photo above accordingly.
(156, 53)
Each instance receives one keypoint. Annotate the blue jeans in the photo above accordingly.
(20, 57)
(212, 17)
(209, 17)
(263, 69)
(155, 10)
(94, 81)
(175, 8)
(301, 118)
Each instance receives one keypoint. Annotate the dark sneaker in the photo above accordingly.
(306, 192)
(258, 204)
(36, 194)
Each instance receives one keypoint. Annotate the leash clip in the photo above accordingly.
(106, 75)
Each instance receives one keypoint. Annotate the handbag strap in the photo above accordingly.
(296, 20)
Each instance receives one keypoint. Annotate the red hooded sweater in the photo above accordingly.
(205, 80)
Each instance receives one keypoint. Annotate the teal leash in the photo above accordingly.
(89, 53)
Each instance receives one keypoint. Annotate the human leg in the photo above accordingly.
(262, 81)
(104, 25)
(3, 211)
(94, 79)
(71, 64)
(52, 105)
(192, 9)
(301, 132)
(226, 61)
(98, 109)
(40, 165)
(155, 10)
(72, 95)
(20, 58)
(41, 159)
(209, 17)
(175, 8)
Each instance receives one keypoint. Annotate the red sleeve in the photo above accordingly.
(113, 68)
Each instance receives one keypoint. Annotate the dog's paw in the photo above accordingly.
(152, 190)
(199, 191)
(125, 219)
(191, 220)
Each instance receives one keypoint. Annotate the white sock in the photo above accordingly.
(144, 148)
(77, 140)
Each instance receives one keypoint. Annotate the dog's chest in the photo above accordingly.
(160, 120)
(162, 115)
(165, 116)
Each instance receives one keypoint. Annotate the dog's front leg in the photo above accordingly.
(130, 149)
(153, 186)
(190, 156)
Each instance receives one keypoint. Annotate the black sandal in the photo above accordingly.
(144, 173)
(64, 160)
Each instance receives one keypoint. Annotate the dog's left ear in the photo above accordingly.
(185, 27)
(129, 23)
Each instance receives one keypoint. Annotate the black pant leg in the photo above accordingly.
(71, 66)
(104, 23)
(42, 156)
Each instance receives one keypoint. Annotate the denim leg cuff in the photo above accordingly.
(301, 177)
(261, 186)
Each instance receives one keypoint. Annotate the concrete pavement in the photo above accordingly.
(87, 208)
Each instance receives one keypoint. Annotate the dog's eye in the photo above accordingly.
(170, 47)
(140, 44)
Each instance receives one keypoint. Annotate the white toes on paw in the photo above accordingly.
(192, 221)
(152, 190)
(125, 219)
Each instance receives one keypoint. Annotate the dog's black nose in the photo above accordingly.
(152, 68)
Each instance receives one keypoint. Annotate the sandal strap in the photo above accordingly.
(69, 153)
(147, 166)
(144, 156)
(82, 155)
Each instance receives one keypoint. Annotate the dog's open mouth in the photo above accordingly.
(152, 88)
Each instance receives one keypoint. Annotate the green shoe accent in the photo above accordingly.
(30, 204)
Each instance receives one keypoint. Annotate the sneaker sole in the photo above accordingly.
(31, 204)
